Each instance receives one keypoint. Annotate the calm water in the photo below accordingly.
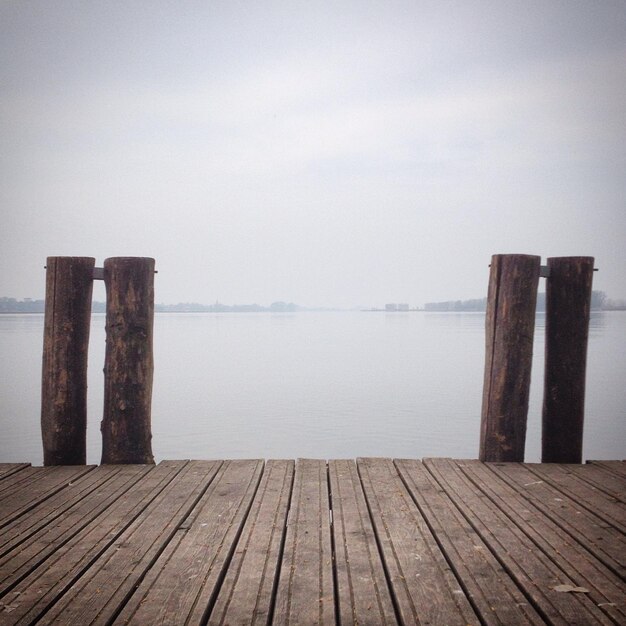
(313, 385)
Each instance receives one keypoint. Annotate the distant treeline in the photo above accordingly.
(12, 305)
(599, 300)
(28, 305)
(194, 307)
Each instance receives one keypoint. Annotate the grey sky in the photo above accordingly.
(333, 154)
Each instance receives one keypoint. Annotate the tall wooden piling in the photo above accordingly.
(69, 286)
(510, 324)
(128, 368)
(568, 307)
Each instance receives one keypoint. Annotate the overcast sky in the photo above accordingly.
(325, 153)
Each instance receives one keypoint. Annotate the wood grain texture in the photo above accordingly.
(104, 588)
(78, 549)
(69, 285)
(594, 500)
(568, 308)
(533, 571)
(8, 469)
(305, 592)
(437, 542)
(604, 540)
(247, 594)
(129, 360)
(600, 477)
(615, 467)
(31, 538)
(425, 589)
(183, 582)
(509, 332)
(25, 490)
(363, 596)
(572, 539)
(494, 596)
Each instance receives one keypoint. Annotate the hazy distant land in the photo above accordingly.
(28, 305)
(599, 301)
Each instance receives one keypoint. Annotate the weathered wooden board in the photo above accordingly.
(34, 485)
(29, 548)
(8, 469)
(103, 588)
(425, 588)
(54, 577)
(598, 502)
(247, 594)
(601, 478)
(305, 592)
(492, 593)
(533, 571)
(552, 507)
(362, 594)
(344, 543)
(19, 531)
(24, 480)
(540, 512)
(183, 582)
(615, 467)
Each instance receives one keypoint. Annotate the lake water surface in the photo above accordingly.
(324, 385)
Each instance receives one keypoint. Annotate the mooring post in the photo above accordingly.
(510, 325)
(568, 308)
(69, 285)
(128, 368)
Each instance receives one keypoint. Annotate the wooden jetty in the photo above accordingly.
(376, 541)
(129, 360)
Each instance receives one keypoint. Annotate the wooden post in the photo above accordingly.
(69, 285)
(510, 325)
(568, 306)
(128, 367)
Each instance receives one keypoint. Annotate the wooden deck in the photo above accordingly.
(437, 542)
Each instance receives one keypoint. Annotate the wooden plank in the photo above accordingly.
(186, 541)
(21, 529)
(594, 500)
(603, 479)
(493, 594)
(20, 481)
(615, 467)
(32, 595)
(8, 469)
(36, 487)
(28, 549)
(605, 542)
(182, 585)
(425, 589)
(536, 508)
(246, 596)
(362, 594)
(305, 589)
(532, 570)
(90, 576)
